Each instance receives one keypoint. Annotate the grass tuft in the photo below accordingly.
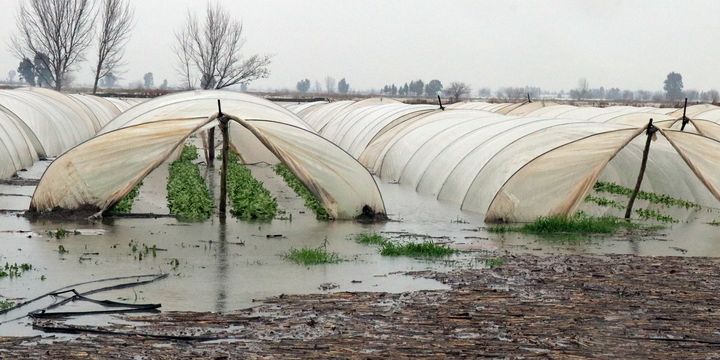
(301, 190)
(371, 239)
(424, 249)
(312, 256)
(577, 224)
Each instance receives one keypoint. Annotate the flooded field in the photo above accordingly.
(224, 265)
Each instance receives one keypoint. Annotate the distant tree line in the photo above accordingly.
(331, 86)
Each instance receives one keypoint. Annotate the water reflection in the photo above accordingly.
(222, 266)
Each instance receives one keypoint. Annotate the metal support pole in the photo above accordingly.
(211, 147)
(528, 96)
(440, 102)
(651, 129)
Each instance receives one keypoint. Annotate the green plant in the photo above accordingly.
(604, 202)
(124, 206)
(187, 194)
(649, 214)
(424, 249)
(59, 234)
(301, 190)
(14, 270)
(61, 250)
(577, 224)
(371, 239)
(662, 199)
(6, 304)
(714, 223)
(174, 263)
(312, 256)
(250, 200)
(493, 263)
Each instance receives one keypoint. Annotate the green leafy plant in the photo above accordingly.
(61, 250)
(311, 202)
(662, 199)
(599, 200)
(124, 206)
(187, 194)
(250, 200)
(649, 214)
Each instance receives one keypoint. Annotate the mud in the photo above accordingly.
(617, 306)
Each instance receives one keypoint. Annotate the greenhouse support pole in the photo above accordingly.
(211, 147)
(223, 120)
(684, 118)
(440, 102)
(651, 129)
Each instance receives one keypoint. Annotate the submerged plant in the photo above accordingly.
(424, 249)
(371, 239)
(661, 199)
(187, 194)
(649, 214)
(301, 190)
(313, 256)
(577, 224)
(6, 304)
(14, 270)
(601, 201)
(249, 199)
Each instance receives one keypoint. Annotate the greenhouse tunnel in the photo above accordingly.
(99, 172)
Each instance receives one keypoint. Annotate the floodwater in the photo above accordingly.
(225, 265)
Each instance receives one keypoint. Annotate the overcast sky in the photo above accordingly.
(550, 44)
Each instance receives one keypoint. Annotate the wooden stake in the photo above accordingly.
(684, 119)
(223, 120)
(651, 129)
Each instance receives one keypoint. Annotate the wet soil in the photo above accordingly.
(615, 306)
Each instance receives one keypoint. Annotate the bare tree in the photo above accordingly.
(116, 20)
(213, 50)
(183, 51)
(457, 90)
(61, 30)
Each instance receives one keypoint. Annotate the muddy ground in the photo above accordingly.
(616, 306)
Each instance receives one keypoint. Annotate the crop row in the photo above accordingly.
(187, 194)
(311, 202)
(662, 199)
(250, 200)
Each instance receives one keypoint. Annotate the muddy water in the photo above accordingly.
(225, 265)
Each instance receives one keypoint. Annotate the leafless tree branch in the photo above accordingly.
(60, 31)
(116, 21)
(213, 50)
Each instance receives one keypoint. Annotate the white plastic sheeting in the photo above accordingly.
(37, 122)
(515, 162)
(102, 170)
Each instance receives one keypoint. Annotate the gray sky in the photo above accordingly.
(551, 44)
